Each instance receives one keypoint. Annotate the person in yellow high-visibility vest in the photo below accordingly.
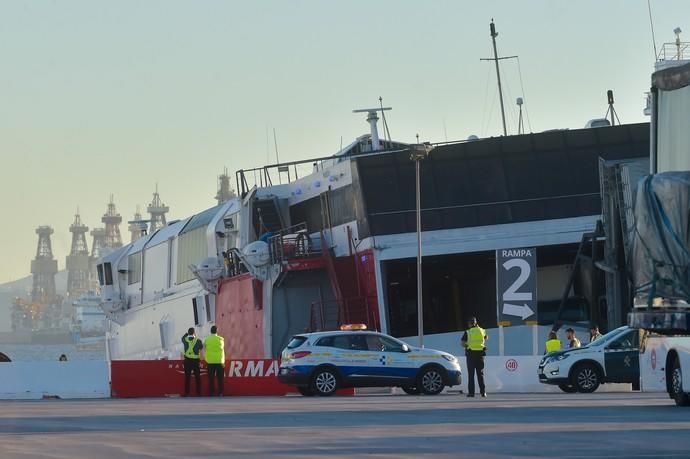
(192, 348)
(474, 342)
(214, 346)
(553, 343)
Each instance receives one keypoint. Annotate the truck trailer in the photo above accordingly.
(656, 240)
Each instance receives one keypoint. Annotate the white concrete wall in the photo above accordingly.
(35, 380)
(517, 341)
(517, 374)
(522, 376)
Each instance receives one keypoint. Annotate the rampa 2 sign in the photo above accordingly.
(516, 285)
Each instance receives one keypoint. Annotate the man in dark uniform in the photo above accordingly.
(192, 348)
(474, 342)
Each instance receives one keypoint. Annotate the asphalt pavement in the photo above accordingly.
(600, 425)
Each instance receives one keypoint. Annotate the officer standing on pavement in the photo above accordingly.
(192, 348)
(474, 342)
(214, 346)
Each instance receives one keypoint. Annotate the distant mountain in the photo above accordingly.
(23, 285)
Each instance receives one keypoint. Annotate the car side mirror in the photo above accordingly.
(405, 348)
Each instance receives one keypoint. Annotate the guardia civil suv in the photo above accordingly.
(321, 363)
(613, 358)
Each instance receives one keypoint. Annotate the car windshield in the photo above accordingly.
(609, 336)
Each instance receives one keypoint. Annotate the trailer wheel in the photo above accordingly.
(680, 397)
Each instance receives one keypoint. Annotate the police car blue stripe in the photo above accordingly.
(364, 371)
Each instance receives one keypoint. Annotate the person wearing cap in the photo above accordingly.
(594, 333)
(192, 348)
(553, 343)
(474, 342)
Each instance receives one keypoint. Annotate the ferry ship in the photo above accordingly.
(310, 250)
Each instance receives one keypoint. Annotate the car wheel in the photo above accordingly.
(586, 378)
(324, 382)
(411, 390)
(680, 397)
(306, 391)
(567, 388)
(430, 381)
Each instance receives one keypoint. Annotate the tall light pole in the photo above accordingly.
(418, 153)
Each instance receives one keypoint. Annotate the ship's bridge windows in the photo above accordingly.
(108, 273)
(134, 268)
(101, 280)
(204, 309)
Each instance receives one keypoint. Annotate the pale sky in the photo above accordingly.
(111, 97)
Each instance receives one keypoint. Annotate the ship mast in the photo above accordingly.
(494, 34)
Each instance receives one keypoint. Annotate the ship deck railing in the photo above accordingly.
(293, 242)
(674, 51)
(288, 172)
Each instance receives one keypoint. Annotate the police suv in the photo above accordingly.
(320, 363)
(613, 358)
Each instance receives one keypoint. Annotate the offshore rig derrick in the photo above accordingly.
(157, 210)
(44, 268)
(77, 262)
(47, 311)
(112, 221)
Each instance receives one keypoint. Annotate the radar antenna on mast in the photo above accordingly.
(372, 119)
(521, 126)
(611, 110)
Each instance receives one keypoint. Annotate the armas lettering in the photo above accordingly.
(252, 368)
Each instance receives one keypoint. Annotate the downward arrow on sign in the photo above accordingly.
(522, 312)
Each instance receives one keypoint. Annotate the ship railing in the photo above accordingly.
(674, 51)
(330, 315)
(233, 264)
(293, 242)
(279, 173)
